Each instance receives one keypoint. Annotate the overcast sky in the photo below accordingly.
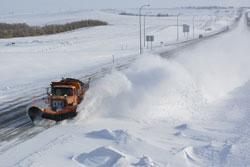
(50, 5)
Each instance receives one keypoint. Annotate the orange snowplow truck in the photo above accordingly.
(62, 100)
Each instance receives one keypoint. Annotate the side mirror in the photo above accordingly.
(48, 90)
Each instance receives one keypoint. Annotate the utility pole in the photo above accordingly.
(140, 25)
(193, 26)
(144, 30)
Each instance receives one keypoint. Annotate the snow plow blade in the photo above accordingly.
(35, 114)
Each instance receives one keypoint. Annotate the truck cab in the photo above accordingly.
(63, 97)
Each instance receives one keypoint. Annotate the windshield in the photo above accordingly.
(62, 91)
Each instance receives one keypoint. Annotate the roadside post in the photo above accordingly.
(113, 59)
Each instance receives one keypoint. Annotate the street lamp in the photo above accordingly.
(178, 26)
(140, 24)
(144, 29)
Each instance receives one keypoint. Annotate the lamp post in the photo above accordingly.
(144, 28)
(178, 26)
(140, 25)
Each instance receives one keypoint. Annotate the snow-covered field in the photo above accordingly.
(33, 58)
(190, 110)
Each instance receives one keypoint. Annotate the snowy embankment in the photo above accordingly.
(192, 110)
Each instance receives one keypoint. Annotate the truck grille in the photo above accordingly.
(57, 105)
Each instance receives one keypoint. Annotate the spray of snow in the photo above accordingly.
(106, 88)
(151, 88)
